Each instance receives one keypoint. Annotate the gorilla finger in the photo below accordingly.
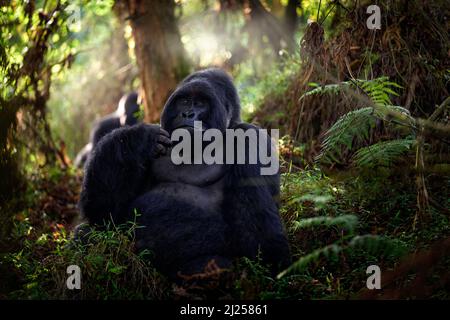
(164, 132)
(164, 140)
(161, 150)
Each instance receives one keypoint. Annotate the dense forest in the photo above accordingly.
(359, 91)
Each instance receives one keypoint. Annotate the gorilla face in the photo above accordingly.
(195, 101)
(207, 96)
(188, 109)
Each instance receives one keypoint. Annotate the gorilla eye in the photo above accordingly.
(201, 103)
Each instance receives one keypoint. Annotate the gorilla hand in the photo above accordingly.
(159, 139)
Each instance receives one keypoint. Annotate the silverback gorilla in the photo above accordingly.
(124, 115)
(190, 213)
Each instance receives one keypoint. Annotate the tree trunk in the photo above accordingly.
(159, 52)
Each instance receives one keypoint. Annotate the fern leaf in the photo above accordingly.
(326, 89)
(330, 252)
(370, 244)
(348, 222)
(383, 153)
(353, 127)
(378, 90)
(378, 245)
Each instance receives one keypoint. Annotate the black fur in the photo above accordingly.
(126, 109)
(190, 213)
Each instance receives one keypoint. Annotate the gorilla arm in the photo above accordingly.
(117, 171)
(103, 127)
(251, 211)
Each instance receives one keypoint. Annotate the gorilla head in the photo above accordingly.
(127, 109)
(208, 96)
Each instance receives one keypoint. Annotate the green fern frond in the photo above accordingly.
(326, 89)
(355, 126)
(378, 245)
(352, 127)
(372, 245)
(330, 252)
(348, 222)
(378, 90)
(383, 153)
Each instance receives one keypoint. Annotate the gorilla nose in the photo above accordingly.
(188, 114)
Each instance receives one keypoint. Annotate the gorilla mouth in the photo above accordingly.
(189, 127)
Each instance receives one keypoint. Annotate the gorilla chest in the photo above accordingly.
(198, 185)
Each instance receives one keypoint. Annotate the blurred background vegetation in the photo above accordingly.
(364, 116)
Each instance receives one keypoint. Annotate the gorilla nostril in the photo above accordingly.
(188, 114)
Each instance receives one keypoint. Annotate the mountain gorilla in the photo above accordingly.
(124, 115)
(190, 213)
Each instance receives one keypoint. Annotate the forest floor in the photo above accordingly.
(337, 224)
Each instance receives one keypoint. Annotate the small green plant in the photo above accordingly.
(383, 153)
(110, 267)
(330, 244)
(349, 222)
(378, 89)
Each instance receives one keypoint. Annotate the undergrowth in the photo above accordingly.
(337, 226)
